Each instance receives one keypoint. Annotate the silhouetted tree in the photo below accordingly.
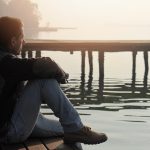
(25, 10)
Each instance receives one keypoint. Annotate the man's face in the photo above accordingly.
(18, 43)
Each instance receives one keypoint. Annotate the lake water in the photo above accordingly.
(122, 111)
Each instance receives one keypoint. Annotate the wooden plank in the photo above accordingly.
(58, 144)
(69, 147)
(13, 147)
(92, 45)
(43, 144)
(52, 144)
(34, 144)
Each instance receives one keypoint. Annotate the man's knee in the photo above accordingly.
(43, 81)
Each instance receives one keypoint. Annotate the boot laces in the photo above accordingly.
(86, 129)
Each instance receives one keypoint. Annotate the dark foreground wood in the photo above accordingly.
(42, 144)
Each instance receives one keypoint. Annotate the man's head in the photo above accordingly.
(11, 34)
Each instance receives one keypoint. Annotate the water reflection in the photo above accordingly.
(115, 96)
(109, 94)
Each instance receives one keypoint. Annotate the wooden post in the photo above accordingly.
(83, 62)
(146, 70)
(71, 52)
(134, 53)
(101, 72)
(82, 87)
(30, 54)
(38, 54)
(23, 53)
(90, 56)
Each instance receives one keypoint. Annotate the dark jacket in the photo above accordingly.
(13, 72)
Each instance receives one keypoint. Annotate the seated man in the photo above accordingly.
(20, 103)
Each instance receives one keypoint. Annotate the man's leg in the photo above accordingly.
(25, 113)
(46, 127)
(74, 130)
(27, 109)
(60, 105)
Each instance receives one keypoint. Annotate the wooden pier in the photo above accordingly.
(101, 46)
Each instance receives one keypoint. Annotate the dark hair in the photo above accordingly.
(9, 27)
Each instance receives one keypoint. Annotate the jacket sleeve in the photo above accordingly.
(46, 67)
(16, 68)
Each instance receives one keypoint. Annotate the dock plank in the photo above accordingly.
(42, 144)
(52, 144)
(34, 144)
(58, 144)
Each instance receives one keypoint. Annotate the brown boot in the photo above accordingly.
(86, 136)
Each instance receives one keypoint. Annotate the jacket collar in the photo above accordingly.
(4, 49)
(3, 52)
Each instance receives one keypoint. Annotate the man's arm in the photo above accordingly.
(27, 69)
(45, 66)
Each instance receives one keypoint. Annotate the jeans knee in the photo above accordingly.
(49, 82)
(52, 81)
(43, 81)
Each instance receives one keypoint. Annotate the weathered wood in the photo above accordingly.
(101, 46)
(38, 54)
(23, 54)
(101, 72)
(34, 144)
(83, 62)
(52, 144)
(146, 71)
(133, 70)
(90, 56)
(91, 45)
(42, 144)
(146, 64)
(30, 54)
(82, 87)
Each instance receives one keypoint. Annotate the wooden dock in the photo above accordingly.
(90, 46)
(42, 144)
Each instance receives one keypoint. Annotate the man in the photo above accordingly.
(20, 103)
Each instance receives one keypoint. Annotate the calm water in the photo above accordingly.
(118, 108)
(122, 111)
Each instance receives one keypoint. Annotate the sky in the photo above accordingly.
(127, 19)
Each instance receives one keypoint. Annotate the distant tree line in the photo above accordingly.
(26, 10)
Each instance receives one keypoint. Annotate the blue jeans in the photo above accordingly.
(28, 121)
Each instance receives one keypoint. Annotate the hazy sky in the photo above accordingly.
(99, 16)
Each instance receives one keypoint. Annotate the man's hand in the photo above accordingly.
(47, 68)
(62, 78)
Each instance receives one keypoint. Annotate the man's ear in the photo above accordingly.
(13, 42)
